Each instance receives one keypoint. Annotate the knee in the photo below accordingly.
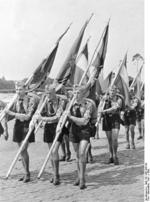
(77, 155)
(82, 156)
(110, 141)
(24, 152)
(127, 130)
(132, 129)
(115, 140)
(54, 152)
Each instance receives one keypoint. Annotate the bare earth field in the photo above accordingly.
(105, 183)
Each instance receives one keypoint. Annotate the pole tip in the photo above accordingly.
(70, 24)
(88, 38)
(109, 20)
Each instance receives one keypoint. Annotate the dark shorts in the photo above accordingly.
(78, 133)
(130, 118)
(107, 123)
(20, 130)
(1, 129)
(111, 122)
(115, 121)
(140, 114)
(65, 130)
(50, 132)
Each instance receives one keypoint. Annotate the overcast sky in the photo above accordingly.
(30, 28)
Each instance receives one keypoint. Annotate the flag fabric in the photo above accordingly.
(137, 88)
(138, 85)
(121, 81)
(98, 64)
(105, 83)
(68, 67)
(125, 60)
(100, 58)
(41, 73)
(81, 66)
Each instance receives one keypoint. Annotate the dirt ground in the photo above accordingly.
(105, 183)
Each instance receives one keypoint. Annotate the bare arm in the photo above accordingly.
(115, 106)
(83, 120)
(54, 119)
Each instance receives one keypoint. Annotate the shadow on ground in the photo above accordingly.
(131, 166)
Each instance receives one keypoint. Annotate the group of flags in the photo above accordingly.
(77, 65)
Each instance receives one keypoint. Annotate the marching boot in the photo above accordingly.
(90, 154)
(52, 177)
(82, 184)
(82, 175)
(77, 181)
(56, 180)
(116, 161)
(26, 178)
(111, 160)
(68, 156)
(21, 179)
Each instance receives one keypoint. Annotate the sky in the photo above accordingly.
(30, 28)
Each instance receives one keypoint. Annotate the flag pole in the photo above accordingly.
(132, 84)
(102, 104)
(31, 126)
(63, 118)
(8, 106)
(79, 56)
(98, 44)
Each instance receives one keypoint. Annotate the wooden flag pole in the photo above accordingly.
(102, 104)
(83, 76)
(63, 118)
(31, 126)
(132, 84)
(8, 106)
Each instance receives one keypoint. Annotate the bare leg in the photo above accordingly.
(109, 137)
(97, 132)
(115, 133)
(76, 149)
(140, 129)
(62, 146)
(132, 136)
(55, 157)
(67, 144)
(52, 164)
(25, 162)
(127, 137)
(82, 162)
(89, 153)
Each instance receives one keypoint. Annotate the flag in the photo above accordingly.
(68, 67)
(81, 65)
(137, 76)
(100, 57)
(105, 83)
(125, 60)
(98, 63)
(138, 85)
(121, 81)
(41, 73)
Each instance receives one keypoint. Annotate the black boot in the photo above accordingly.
(26, 178)
(56, 180)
